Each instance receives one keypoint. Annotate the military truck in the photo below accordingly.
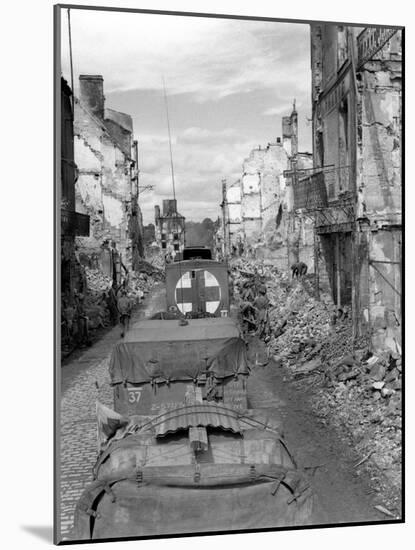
(160, 364)
(182, 452)
(197, 285)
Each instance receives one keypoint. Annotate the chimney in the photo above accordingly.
(169, 207)
(156, 213)
(286, 134)
(294, 131)
(92, 93)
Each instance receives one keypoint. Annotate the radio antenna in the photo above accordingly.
(168, 129)
(173, 184)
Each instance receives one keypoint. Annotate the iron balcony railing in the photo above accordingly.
(74, 223)
(370, 41)
(317, 187)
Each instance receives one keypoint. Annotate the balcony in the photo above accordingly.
(74, 223)
(310, 192)
(318, 187)
(370, 41)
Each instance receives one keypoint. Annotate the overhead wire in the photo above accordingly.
(70, 58)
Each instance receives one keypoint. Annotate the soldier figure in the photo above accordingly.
(124, 309)
(261, 307)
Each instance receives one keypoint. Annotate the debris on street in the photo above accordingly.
(97, 304)
(354, 391)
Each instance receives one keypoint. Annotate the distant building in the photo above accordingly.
(170, 229)
(107, 185)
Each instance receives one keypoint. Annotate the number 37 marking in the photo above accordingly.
(134, 396)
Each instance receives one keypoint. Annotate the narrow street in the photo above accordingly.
(294, 230)
(79, 381)
(342, 496)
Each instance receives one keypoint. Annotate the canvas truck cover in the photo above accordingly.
(149, 483)
(157, 351)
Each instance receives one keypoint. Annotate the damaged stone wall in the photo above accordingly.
(299, 235)
(72, 277)
(104, 187)
(269, 226)
(264, 204)
(380, 135)
(379, 193)
(299, 225)
(234, 214)
(251, 203)
(356, 87)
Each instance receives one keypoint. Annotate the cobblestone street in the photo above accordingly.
(79, 391)
(327, 456)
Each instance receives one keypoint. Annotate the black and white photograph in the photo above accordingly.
(229, 273)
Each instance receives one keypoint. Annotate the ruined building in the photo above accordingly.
(229, 236)
(354, 192)
(107, 185)
(259, 208)
(170, 229)
(73, 223)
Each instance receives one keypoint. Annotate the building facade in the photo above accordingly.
(170, 229)
(259, 206)
(73, 223)
(107, 185)
(354, 192)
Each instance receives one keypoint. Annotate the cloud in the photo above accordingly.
(195, 135)
(198, 170)
(277, 111)
(257, 66)
(211, 58)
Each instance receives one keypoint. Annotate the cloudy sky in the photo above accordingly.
(229, 82)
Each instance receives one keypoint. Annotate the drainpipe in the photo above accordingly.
(338, 271)
(316, 265)
(260, 201)
(224, 202)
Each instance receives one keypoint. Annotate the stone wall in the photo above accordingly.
(357, 125)
(270, 228)
(104, 187)
(379, 195)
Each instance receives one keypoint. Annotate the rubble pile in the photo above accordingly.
(97, 281)
(352, 389)
(155, 257)
(360, 394)
(139, 285)
(95, 304)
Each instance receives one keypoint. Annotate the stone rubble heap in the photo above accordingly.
(138, 285)
(155, 257)
(353, 389)
(97, 281)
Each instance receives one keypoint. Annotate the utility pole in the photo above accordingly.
(136, 168)
(223, 206)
